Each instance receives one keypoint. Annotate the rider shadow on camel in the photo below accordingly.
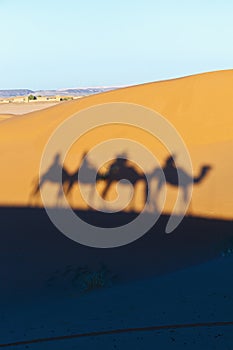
(57, 174)
(86, 174)
(170, 174)
(119, 170)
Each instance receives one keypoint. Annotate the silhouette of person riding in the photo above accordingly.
(87, 170)
(120, 170)
(52, 174)
(55, 168)
(176, 177)
(118, 165)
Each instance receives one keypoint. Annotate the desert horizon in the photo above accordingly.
(195, 105)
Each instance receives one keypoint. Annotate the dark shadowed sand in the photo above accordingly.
(173, 291)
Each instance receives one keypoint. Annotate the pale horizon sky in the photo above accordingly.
(60, 44)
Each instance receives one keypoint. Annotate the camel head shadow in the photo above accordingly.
(177, 177)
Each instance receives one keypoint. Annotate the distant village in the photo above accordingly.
(33, 98)
(29, 96)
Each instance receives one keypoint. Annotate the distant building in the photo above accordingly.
(4, 100)
(20, 99)
(16, 99)
(26, 99)
(49, 98)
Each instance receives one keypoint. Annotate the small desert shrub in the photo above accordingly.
(66, 98)
(227, 252)
(227, 247)
(88, 280)
(32, 97)
(83, 278)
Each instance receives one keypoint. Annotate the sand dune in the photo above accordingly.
(6, 116)
(40, 267)
(200, 107)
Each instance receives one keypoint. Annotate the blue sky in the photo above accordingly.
(55, 44)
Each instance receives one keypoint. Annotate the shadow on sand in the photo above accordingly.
(122, 171)
(32, 249)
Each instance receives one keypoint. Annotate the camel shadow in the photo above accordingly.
(58, 175)
(86, 174)
(52, 176)
(121, 171)
(174, 176)
(169, 174)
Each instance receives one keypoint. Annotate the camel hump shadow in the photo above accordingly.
(65, 180)
(177, 177)
(121, 171)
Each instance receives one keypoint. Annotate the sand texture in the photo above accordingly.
(200, 107)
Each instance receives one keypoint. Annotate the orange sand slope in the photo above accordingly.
(5, 116)
(200, 107)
